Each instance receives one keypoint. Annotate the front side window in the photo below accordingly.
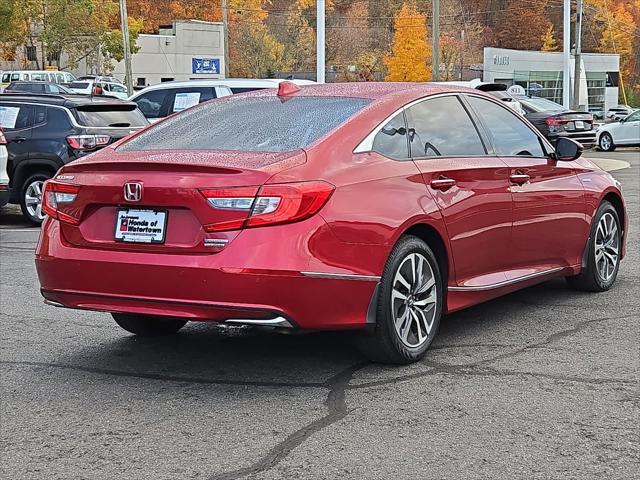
(391, 141)
(249, 124)
(150, 103)
(634, 117)
(511, 136)
(188, 97)
(117, 88)
(442, 127)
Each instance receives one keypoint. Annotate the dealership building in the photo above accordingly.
(540, 73)
(185, 50)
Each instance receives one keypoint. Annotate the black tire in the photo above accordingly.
(608, 146)
(383, 342)
(148, 325)
(591, 279)
(36, 178)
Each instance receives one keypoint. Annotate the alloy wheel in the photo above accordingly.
(33, 199)
(605, 142)
(414, 300)
(607, 246)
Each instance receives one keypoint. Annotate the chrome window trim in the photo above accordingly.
(505, 283)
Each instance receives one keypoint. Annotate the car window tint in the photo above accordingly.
(117, 88)
(634, 117)
(125, 115)
(15, 117)
(442, 127)
(391, 141)
(15, 76)
(150, 103)
(251, 124)
(245, 89)
(79, 85)
(39, 115)
(5, 77)
(188, 97)
(511, 136)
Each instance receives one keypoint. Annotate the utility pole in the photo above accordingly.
(225, 27)
(461, 54)
(124, 26)
(577, 55)
(566, 57)
(435, 33)
(320, 40)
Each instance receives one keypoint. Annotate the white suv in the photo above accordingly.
(112, 89)
(4, 178)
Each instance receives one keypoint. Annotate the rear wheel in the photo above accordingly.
(606, 142)
(31, 197)
(603, 252)
(409, 305)
(148, 325)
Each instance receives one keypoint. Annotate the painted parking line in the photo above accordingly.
(610, 165)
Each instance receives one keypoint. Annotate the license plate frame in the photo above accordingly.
(149, 215)
(578, 125)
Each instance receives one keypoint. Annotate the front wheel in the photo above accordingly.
(606, 142)
(603, 252)
(148, 325)
(409, 305)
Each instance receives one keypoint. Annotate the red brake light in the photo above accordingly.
(87, 142)
(3, 140)
(273, 205)
(555, 121)
(57, 201)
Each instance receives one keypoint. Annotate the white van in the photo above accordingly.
(159, 101)
(52, 76)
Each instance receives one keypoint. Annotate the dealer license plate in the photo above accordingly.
(579, 125)
(141, 226)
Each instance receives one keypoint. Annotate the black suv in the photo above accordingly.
(44, 132)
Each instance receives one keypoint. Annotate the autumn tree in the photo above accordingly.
(522, 28)
(549, 43)
(410, 58)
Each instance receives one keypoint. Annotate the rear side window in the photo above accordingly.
(188, 97)
(5, 78)
(258, 124)
(442, 127)
(15, 77)
(511, 136)
(391, 141)
(110, 116)
(15, 117)
(151, 102)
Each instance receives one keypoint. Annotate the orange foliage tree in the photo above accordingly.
(410, 58)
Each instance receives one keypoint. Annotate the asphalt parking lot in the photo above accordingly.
(540, 384)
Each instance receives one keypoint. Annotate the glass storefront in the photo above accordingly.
(596, 88)
(540, 84)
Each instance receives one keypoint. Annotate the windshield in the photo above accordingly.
(259, 124)
(541, 104)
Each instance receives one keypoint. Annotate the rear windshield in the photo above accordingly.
(79, 85)
(259, 124)
(111, 116)
(542, 105)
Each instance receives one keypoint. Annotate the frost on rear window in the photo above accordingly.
(259, 124)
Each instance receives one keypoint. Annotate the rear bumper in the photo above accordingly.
(208, 287)
(586, 138)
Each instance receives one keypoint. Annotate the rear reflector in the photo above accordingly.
(57, 201)
(271, 205)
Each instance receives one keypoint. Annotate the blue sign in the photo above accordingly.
(205, 65)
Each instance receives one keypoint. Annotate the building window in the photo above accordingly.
(596, 87)
(165, 79)
(141, 82)
(541, 84)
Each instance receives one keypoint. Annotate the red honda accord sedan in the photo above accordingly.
(377, 207)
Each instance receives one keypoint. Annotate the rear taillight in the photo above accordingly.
(3, 140)
(275, 204)
(57, 201)
(556, 121)
(87, 142)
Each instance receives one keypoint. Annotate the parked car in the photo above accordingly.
(4, 178)
(625, 133)
(36, 87)
(48, 131)
(51, 76)
(109, 89)
(617, 113)
(159, 101)
(554, 121)
(375, 207)
(100, 78)
(497, 90)
(243, 85)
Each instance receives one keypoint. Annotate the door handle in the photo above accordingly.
(519, 178)
(19, 139)
(442, 183)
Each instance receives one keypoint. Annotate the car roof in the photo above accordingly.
(223, 82)
(66, 100)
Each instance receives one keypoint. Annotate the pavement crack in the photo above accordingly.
(337, 410)
(167, 378)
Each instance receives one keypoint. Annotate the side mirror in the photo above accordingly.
(567, 150)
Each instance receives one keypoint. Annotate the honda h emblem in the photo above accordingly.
(133, 191)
